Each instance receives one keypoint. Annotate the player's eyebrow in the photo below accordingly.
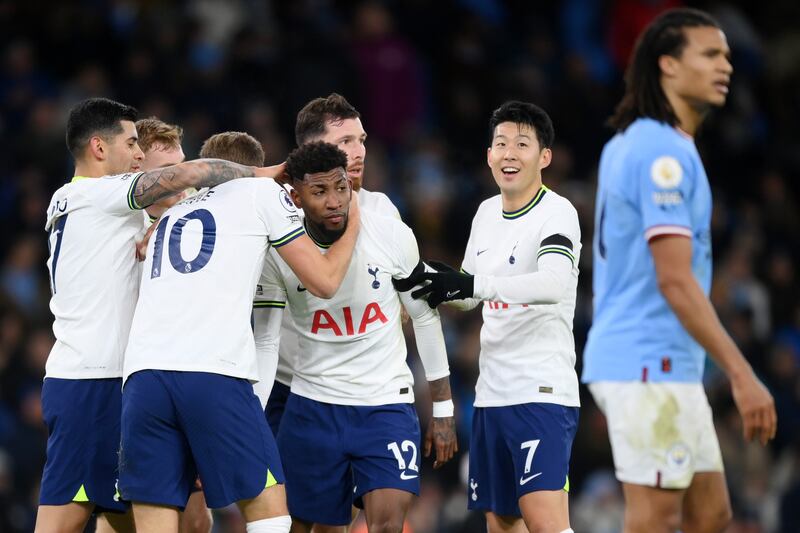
(501, 136)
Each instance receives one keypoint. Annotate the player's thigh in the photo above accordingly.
(383, 443)
(155, 518)
(231, 444)
(661, 433)
(319, 477)
(706, 504)
(496, 523)
(269, 504)
(155, 462)
(115, 523)
(385, 509)
(651, 509)
(68, 518)
(545, 511)
(196, 517)
(83, 421)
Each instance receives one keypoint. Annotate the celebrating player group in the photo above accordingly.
(229, 333)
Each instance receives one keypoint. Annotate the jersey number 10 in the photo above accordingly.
(174, 246)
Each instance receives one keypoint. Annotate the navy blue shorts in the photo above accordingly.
(176, 425)
(276, 404)
(334, 454)
(518, 449)
(82, 417)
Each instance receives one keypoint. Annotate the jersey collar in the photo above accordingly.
(319, 244)
(79, 178)
(511, 215)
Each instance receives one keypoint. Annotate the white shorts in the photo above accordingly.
(661, 433)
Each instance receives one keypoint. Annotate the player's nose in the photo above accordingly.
(138, 154)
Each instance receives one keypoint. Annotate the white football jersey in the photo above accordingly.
(350, 350)
(203, 262)
(376, 202)
(527, 351)
(93, 223)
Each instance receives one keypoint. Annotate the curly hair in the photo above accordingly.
(314, 157)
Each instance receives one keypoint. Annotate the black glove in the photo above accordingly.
(445, 285)
(415, 278)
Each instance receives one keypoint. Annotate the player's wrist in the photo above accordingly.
(443, 409)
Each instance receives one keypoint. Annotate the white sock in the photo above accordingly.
(279, 524)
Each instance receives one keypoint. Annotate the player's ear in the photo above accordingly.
(97, 148)
(296, 199)
(545, 157)
(489, 156)
(668, 65)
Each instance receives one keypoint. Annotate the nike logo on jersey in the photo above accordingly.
(450, 294)
(524, 480)
(406, 477)
(300, 288)
(481, 251)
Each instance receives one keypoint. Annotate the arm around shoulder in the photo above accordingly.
(321, 274)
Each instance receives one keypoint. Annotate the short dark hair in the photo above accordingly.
(96, 116)
(525, 113)
(644, 96)
(312, 120)
(235, 146)
(314, 157)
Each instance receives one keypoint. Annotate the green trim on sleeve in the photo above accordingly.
(268, 303)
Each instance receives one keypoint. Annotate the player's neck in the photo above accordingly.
(320, 235)
(513, 201)
(89, 169)
(689, 117)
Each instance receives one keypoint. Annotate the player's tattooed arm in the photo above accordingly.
(441, 430)
(160, 183)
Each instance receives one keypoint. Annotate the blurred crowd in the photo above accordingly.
(425, 76)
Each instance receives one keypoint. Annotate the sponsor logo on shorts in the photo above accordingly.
(406, 477)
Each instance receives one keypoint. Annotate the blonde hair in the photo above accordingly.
(153, 131)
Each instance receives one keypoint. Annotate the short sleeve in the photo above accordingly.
(112, 194)
(561, 235)
(279, 214)
(666, 180)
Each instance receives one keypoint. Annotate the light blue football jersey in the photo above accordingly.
(651, 182)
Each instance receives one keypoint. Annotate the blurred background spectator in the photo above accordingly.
(425, 76)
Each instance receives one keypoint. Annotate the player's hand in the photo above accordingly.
(441, 434)
(444, 287)
(141, 246)
(276, 172)
(757, 408)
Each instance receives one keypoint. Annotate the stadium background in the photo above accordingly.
(425, 76)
